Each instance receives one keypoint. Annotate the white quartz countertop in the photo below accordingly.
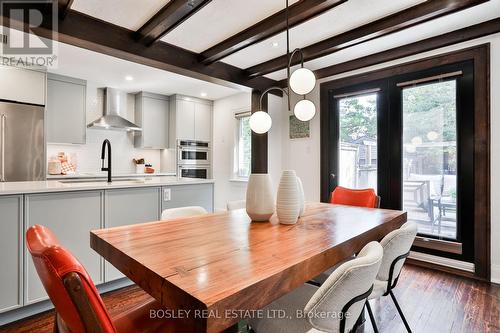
(66, 185)
(104, 174)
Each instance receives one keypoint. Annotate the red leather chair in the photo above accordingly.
(79, 307)
(361, 198)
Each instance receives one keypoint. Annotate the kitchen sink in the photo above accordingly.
(82, 181)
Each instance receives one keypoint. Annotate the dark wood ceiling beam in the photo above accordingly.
(169, 17)
(412, 16)
(89, 33)
(429, 44)
(299, 12)
(63, 7)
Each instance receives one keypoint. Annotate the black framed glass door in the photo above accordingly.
(411, 137)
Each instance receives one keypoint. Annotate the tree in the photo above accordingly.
(358, 118)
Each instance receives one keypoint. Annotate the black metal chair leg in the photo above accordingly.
(372, 318)
(400, 311)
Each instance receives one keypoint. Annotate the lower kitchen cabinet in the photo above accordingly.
(188, 195)
(71, 216)
(11, 236)
(129, 206)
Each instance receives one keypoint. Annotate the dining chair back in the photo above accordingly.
(355, 197)
(237, 204)
(345, 292)
(173, 213)
(396, 246)
(77, 302)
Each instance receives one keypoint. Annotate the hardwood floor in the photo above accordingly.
(432, 302)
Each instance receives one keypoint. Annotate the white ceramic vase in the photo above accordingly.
(260, 198)
(288, 198)
(302, 197)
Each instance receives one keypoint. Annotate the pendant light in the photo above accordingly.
(301, 82)
(260, 121)
(304, 110)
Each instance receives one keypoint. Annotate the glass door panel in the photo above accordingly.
(357, 149)
(430, 157)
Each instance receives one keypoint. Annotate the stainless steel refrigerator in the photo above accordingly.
(22, 143)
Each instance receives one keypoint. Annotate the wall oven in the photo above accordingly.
(191, 152)
(194, 171)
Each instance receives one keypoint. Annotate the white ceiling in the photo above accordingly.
(131, 14)
(333, 22)
(109, 71)
(219, 20)
(477, 14)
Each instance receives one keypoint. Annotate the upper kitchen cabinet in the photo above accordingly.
(202, 121)
(152, 114)
(22, 85)
(66, 117)
(190, 119)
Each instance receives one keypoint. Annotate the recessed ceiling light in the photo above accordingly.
(129, 78)
(275, 44)
(203, 94)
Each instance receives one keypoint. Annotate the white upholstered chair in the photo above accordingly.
(238, 204)
(396, 246)
(344, 292)
(173, 213)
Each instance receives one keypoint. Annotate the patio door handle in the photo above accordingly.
(332, 181)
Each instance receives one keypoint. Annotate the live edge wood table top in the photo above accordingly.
(219, 265)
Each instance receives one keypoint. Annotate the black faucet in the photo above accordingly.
(103, 153)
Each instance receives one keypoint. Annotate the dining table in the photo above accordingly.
(216, 269)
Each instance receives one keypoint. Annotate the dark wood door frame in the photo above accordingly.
(479, 55)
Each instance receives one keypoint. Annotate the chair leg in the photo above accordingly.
(372, 318)
(400, 311)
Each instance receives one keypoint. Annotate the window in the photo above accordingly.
(243, 149)
(358, 141)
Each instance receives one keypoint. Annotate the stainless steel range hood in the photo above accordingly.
(115, 108)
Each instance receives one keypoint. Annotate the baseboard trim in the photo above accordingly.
(446, 265)
(447, 262)
(495, 273)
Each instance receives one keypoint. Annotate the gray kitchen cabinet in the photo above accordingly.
(11, 238)
(185, 117)
(188, 195)
(66, 117)
(71, 216)
(190, 119)
(22, 85)
(152, 114)
(202, 122)
(129, 206)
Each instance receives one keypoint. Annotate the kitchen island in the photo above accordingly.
(71, 208)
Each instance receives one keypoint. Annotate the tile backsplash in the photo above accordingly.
(122, 152)
(122, 143)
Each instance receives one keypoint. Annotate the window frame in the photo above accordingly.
(237, 139)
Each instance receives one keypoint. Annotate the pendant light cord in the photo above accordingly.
(288, 54)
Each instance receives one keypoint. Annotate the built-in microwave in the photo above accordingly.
(193, 152)
(194, 171)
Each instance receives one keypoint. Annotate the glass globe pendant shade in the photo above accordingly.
(304, 110)
(260, 122)
(302, 81)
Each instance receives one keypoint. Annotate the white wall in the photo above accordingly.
(226, 188)
(304, 155)
(123, 151)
